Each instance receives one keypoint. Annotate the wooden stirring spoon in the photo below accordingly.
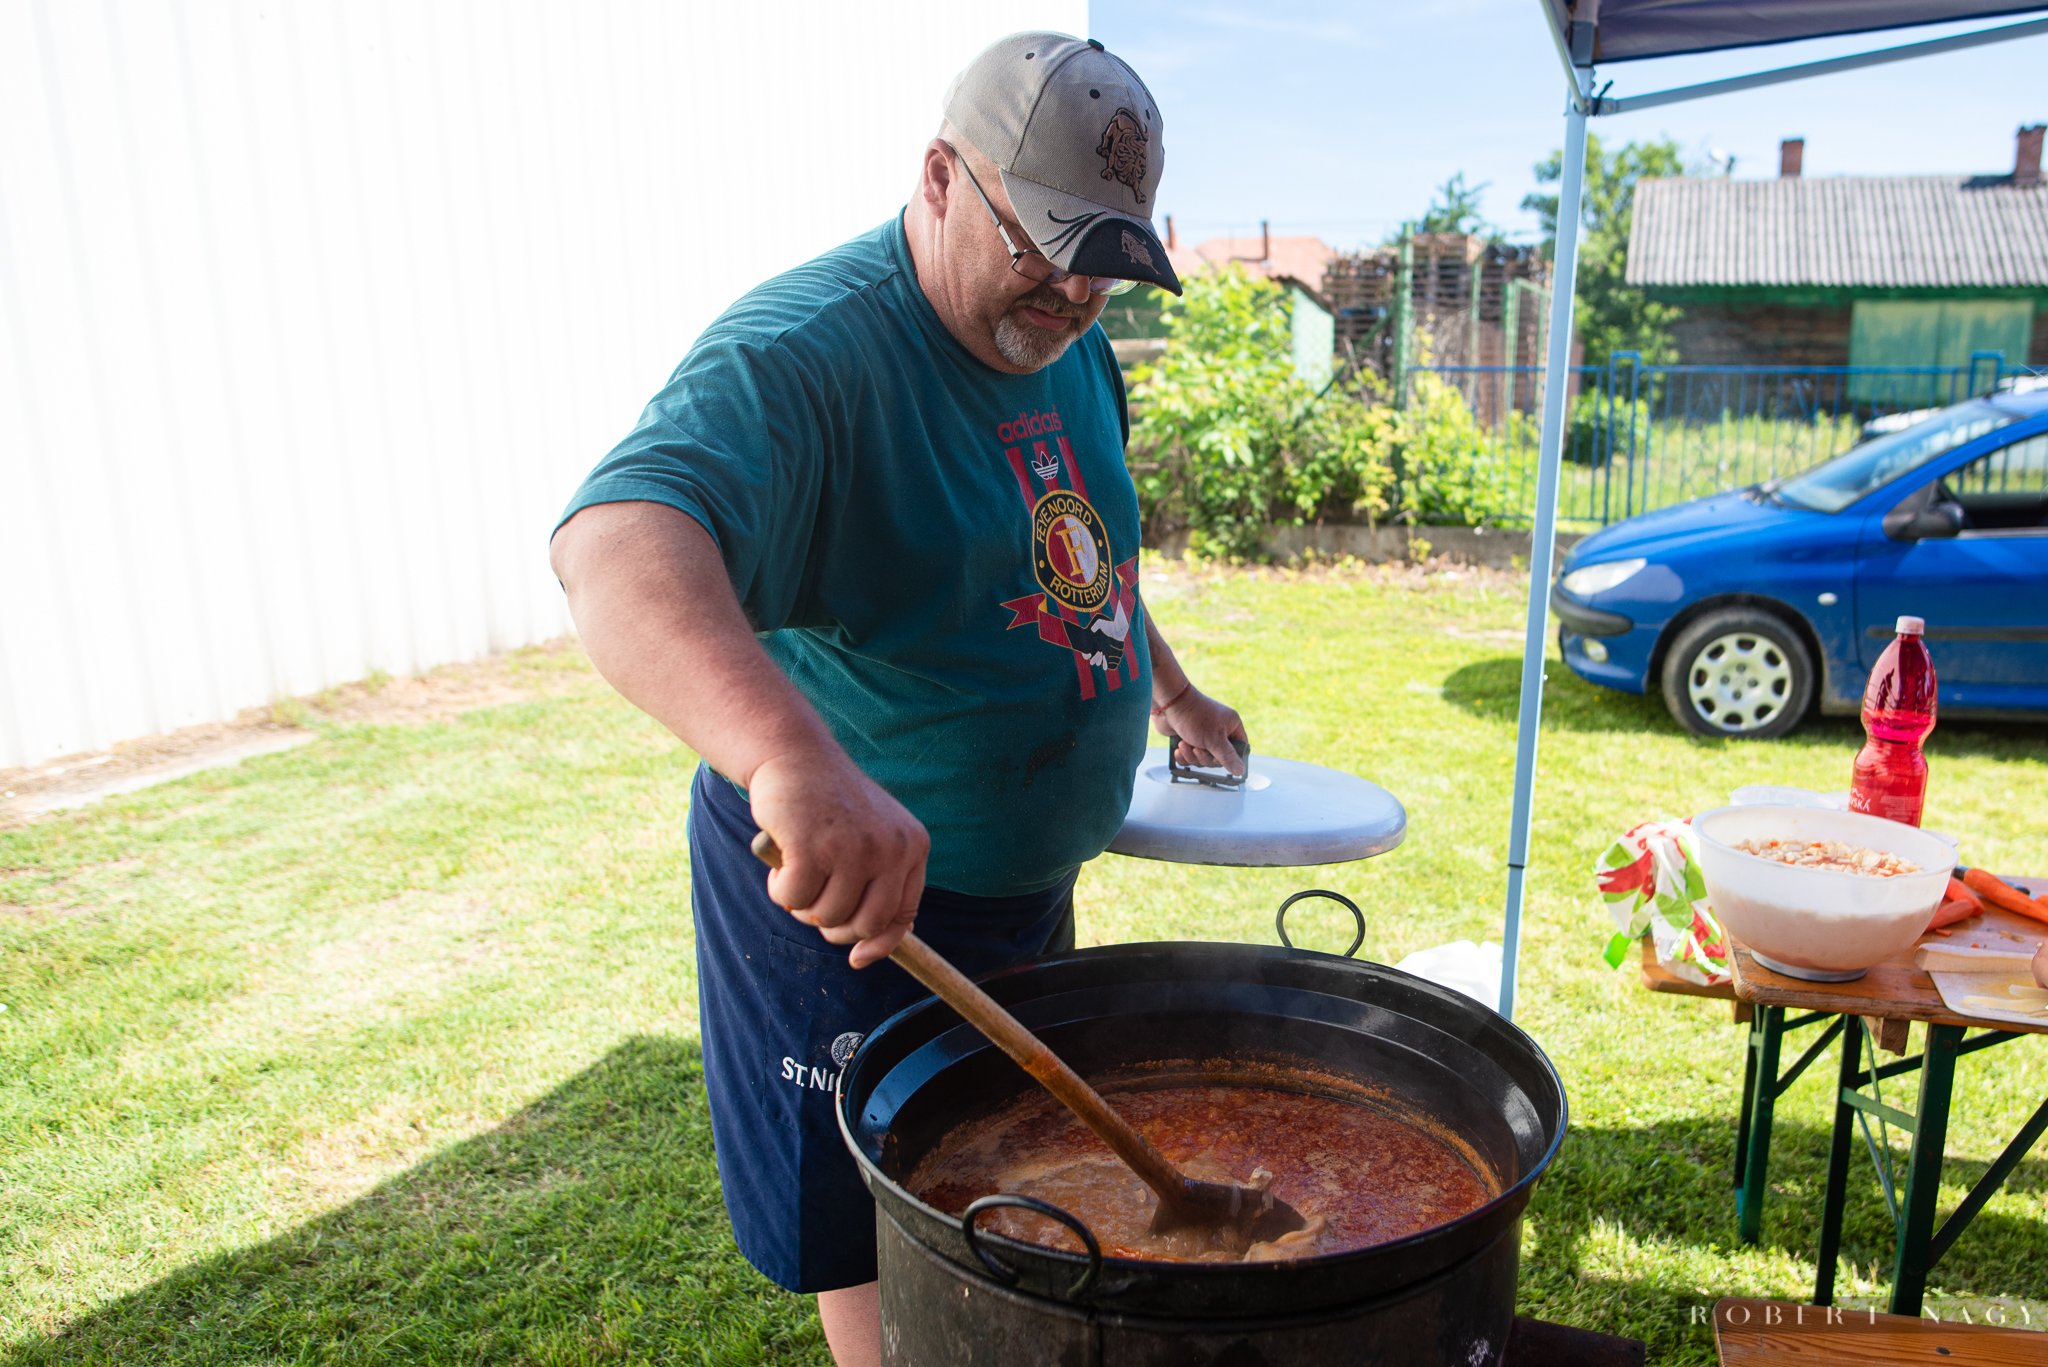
(1244, 1214)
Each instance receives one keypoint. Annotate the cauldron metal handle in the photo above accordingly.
(1280, 916)
(1002, 1271)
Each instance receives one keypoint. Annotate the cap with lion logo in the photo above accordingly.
(1076, 138)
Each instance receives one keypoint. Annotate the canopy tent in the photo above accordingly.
(1631, 30)
(1587, 33)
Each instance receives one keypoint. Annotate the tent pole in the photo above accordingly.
(1543, 542)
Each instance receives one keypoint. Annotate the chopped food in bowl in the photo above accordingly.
(1829, 854)
(1821, 894)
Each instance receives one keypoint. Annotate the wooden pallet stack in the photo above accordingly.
(1455, 310)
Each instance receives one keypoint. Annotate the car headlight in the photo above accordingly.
(1600, 578)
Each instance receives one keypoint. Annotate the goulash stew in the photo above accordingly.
(1360, 1173)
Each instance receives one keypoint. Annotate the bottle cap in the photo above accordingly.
(1912, 626)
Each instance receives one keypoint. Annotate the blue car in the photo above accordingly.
(1748, 609)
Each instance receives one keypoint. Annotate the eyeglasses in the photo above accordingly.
(1032, 264)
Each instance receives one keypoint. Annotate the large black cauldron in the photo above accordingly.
(954, 1296)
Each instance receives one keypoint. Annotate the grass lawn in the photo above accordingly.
(383, 1049)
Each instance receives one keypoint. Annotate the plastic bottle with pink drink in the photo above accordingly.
(1898, 715)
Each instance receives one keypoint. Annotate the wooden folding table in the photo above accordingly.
(1879, 1008)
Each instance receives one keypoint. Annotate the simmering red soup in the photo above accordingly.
(1360, 1172)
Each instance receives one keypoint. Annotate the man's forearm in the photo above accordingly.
(1169, 680)
(658, 617)
(1205, 726)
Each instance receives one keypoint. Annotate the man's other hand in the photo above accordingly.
(1205, 727)
(852, 857)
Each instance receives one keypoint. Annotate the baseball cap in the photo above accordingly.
(1075, 136)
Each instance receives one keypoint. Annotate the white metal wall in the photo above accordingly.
(312, 312)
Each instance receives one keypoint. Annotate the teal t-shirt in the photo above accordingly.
(943, 558)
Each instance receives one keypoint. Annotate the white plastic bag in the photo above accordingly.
(1461, 965)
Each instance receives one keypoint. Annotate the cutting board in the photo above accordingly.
(1965, 988)
(1973, 994)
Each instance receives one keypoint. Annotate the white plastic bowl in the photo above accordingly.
(1821, 924)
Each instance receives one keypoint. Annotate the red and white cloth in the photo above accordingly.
(1651, 884)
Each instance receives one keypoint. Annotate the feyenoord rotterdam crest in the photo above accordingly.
(1072, 551)
(1086, 601)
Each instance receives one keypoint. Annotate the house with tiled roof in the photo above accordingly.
(1850, 270)
(1296, 262)
(1301, 260)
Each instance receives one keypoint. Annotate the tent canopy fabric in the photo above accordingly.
(1630, 30)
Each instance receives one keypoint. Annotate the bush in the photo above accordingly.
(1227, 438)
(1452, 471)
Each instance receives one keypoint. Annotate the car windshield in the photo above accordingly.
(1834, 486)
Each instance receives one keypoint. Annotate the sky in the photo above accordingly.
(1341, 119)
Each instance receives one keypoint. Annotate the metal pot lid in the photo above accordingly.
(1286, 812)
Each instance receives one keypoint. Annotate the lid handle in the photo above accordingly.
(1176, 772)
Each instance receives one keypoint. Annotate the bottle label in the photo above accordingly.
(1904, 807)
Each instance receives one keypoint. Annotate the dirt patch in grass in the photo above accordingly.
(58, 894)
(72, 780)
(44, 912)
(76, 780)
(342, 1162)
(536, 672)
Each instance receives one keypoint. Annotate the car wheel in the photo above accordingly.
(1738, 672)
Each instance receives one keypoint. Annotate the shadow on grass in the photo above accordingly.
(1673, 1183)
(587, 1228)
(1492, 691)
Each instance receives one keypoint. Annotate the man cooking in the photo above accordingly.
(873, 554)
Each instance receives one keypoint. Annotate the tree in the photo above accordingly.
(1455, 209)
(1610, 316)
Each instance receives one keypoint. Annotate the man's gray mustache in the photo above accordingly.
(1045, 301)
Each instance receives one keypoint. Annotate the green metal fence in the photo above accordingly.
(1639, 437)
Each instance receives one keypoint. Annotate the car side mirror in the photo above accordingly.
(1907, 523)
